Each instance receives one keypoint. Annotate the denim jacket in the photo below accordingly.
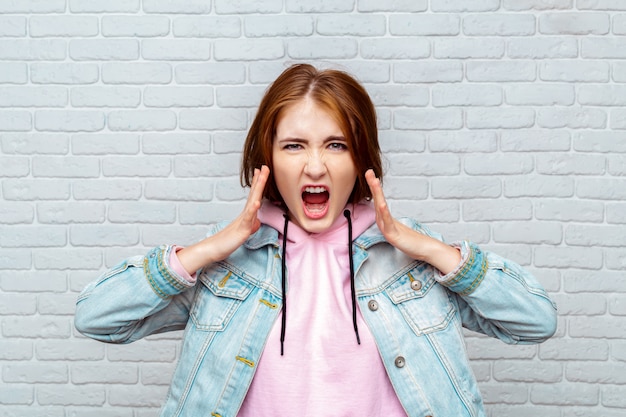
(414, 314)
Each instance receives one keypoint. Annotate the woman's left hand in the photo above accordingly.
(414, 244)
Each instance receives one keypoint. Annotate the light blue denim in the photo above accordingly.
(415, 315)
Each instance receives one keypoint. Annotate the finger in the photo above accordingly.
(380, 202)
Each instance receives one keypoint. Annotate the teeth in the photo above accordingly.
(315, 190)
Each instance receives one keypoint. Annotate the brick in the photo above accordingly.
(399, 95)
(65, 167)
(56, 304)
(493, 71)
(463, 142)
(33, 50)
(580, 304)
(60, 26)
(406, 188)
(35, 373)
(176, 143)
(392, 6)
(605, 48)
(63, 73)
(136, 166)
(454, 232)
(568, 210)
(156, 373)
(105, 97)
(489, 210)
(33, 282)
(320, 48)
(69, 121)
(179, 190)
(466, 95)
(245, 96)
(618, 350)
(498, 164)
(618, 119)
(25, 144)
(613, 396)
(535, 140)
(424, 165)
(565, 394)
(424, 25)
(16, 121)
(476, 187)
(617, 165)
(31, 328)
(103, 235)
(137, 396)
(568, 164)
(197, 214)
(499, 24)
(537, 233)
(617, 305)
(103, 373)
(60, 395)
(106, 189)
(33, 6)
(574, 23)
(318, 6)
(601, 189)
(601, 5)
(468, 48)
(248, 49)
(16, 213)
(427, 211)
(582, 71)
(141, 212)
(568, 257)
(175, 49)
(63, 259)
(593, 282)
(179, 235)
(504, 393)
(104, 49)
(206, 166)
(351, 25)
(30, 236)
(527, 371)
(572, 117)
(538, 48)
(228, 142)
(135, 26)
(487, 348)
(172, 6)
(428, 72)
(428, 119)
(15, 350)
(33, 97)
(519, 5)
(229, 189)
(136, 73)
(142, 351)
(619, 24)
(461, 6)
(213, 119)
(212, 73)
(141, 120)
(601, 327)
(105, 144)
(13, 73)
(78, 411)
(616, 213)
(18, 305)
(69, 350)
(14, 167)
(276, 25)
(540, 95)
(499, 118)
(390, 48)
(595, 235)
(31, 190)
(401, 142)
(574, 350)
(602, 95)
(178, 96)
(15, 259)
(248, 6)
(112, 6)
(12, 26)
(206, 27)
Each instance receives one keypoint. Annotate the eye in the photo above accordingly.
(292, 146)
(338, 146)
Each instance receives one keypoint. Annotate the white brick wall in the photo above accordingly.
(121, 124)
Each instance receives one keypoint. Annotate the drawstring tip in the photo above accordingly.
(281, 349)
(358, 339)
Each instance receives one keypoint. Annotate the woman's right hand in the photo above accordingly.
(226, 241)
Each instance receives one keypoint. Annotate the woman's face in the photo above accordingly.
(313, 168)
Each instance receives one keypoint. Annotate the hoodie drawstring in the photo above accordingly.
(346, 213)
(284, 290)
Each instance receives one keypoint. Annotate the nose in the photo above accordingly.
(315, 165)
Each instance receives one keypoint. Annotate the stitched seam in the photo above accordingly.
(165, 272)
(246, 361)
(478, 279)
(267, 303)
(224, 280)
(466, 267)
(155, 287)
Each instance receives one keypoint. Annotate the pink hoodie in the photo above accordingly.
(323, 371)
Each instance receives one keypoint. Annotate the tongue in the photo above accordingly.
(315, 198)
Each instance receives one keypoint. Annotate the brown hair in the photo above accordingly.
(342, 96)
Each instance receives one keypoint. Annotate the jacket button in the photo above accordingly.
(400, 362)
(416, 285)
(372, 305)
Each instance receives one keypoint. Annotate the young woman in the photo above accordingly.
(315, 300)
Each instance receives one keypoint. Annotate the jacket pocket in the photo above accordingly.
(423, 302)
(217, 298)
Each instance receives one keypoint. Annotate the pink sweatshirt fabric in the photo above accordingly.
(323, 370)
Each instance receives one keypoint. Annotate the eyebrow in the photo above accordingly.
(332, 138)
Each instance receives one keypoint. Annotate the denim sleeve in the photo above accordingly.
(140, 296)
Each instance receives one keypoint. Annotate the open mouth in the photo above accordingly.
(315, 201)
